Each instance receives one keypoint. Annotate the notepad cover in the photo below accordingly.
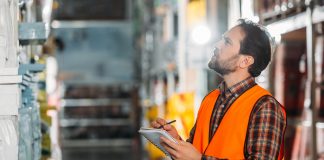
(153, 135)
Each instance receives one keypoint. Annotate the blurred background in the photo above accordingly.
(79, 78)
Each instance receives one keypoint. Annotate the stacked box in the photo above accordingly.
(29, 114)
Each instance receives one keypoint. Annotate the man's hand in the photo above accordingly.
(169, 128)
(181, 151)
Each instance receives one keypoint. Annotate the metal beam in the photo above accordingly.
(311, 81)
(182, 7)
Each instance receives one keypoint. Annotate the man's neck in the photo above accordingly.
(234, 78)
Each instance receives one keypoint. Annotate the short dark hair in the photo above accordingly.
(256, 43)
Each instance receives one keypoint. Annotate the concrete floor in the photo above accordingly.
(102, 153)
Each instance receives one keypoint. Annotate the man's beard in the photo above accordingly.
(224, 67)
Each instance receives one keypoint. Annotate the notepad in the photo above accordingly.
(153, 135)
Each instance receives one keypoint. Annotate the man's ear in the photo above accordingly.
(247, 61)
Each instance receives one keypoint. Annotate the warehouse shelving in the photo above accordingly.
(95, 122)
(296, 22)
(299, 23)
(112, 116)
(98, 143)
(95, 102)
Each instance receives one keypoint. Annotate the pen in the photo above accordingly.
(167, 123)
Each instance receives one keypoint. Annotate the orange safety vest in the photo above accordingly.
(229, 139)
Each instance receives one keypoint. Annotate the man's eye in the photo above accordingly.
(226, 41)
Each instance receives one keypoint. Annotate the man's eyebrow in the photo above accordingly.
(226, 38)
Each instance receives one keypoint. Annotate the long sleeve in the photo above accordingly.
(191, 135)
(266, 130)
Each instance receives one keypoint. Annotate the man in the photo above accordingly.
(238, 120)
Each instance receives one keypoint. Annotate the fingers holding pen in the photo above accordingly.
(161, 121)
(154, 124)
(158, 123)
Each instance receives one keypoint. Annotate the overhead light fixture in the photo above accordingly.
(201, 34)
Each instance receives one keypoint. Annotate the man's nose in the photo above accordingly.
(216, 50)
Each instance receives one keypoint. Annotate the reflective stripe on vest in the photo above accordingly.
(229, 138)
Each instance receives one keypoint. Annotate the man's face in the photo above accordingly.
(226, 54)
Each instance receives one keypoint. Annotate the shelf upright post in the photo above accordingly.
(182, 7)
(10, 96)
(311, 81)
